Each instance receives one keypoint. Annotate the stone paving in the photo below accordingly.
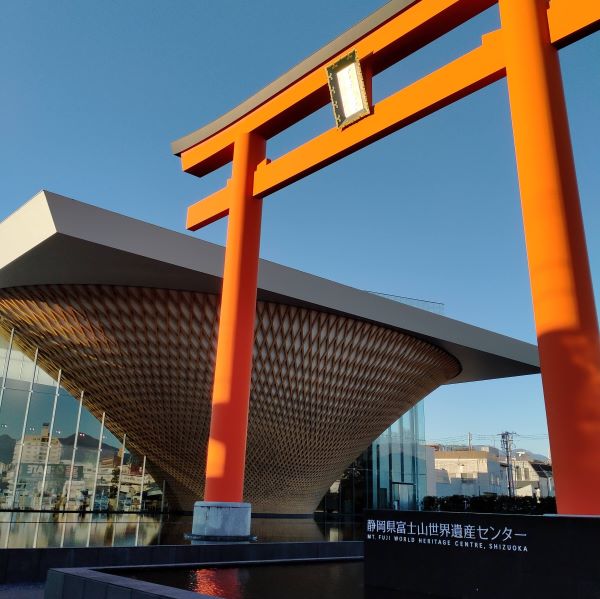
(22, 591)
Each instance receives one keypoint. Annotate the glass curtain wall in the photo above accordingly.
(390, 474)
(54, 453)
(398, 464)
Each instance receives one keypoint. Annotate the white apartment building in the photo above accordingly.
(532, 478)
(476, 471)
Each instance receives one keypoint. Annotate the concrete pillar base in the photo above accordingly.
(219, 521)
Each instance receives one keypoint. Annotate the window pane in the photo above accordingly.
(108, 472)
(12, 414)
(131, 482)
(20, 370)
(4, 341)
(43, 379)
(85, 461)
(59, 464)
(34, 450)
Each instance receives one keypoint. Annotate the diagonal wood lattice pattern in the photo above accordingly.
(323, 385)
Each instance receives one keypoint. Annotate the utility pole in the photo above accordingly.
(507, 445)
(470, 437)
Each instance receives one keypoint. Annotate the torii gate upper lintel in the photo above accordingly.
(525, 51)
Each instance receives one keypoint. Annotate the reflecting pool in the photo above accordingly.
(42, 529)
(292, 581)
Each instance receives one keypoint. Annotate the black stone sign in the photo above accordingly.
(452, 555)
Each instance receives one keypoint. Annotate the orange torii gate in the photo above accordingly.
(525, 51)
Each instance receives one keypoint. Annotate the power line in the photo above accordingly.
(404, 297)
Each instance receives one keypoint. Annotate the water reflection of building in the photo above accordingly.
(22, 530)
(27, 530)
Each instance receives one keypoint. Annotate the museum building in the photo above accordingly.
(107, 346)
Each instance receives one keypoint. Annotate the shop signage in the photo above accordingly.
(35, 471)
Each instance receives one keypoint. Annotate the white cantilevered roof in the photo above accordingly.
(56, 240)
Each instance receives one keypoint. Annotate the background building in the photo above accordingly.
(483, 470)
(476, 471)
(532, 476)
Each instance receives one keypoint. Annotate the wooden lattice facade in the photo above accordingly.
(323, 385)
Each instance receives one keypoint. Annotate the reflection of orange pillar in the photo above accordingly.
(563, 301)
(231, 392)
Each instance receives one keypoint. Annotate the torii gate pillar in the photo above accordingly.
(223, 515)
(561, 284)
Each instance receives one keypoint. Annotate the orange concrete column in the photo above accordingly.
(231, 392)
(563, 301)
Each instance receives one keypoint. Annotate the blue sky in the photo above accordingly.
(92, 95)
